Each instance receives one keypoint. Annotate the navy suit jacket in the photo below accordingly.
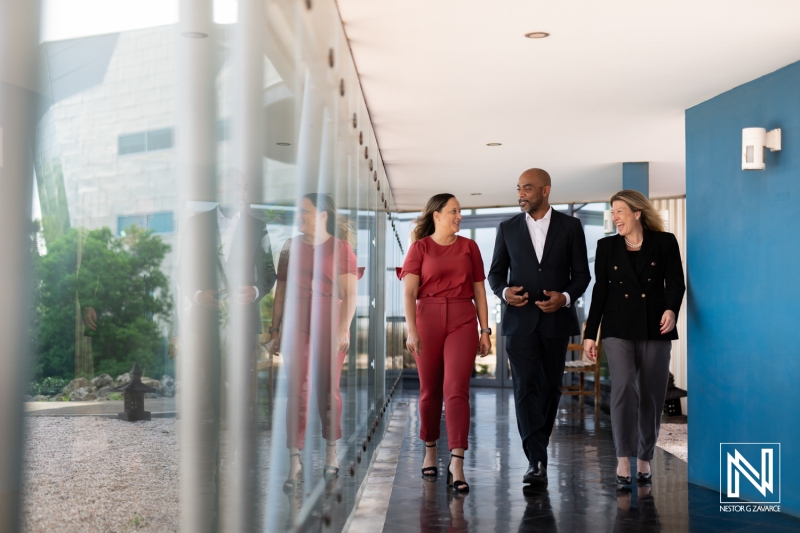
(564, 268)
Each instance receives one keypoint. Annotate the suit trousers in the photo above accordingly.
(448, 334)
(639, 376)
(537, 371)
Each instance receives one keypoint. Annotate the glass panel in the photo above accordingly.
(486, 367)
(208, 215)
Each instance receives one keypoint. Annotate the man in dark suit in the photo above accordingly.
(539, 269)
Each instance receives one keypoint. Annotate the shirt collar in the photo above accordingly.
(223, 220)
(545, 217)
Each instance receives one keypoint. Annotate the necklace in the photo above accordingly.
(631, 245)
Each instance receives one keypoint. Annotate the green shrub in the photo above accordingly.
(115, 396)
(47, 386)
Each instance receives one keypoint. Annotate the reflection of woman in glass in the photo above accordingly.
(319, 272)
(442, 277)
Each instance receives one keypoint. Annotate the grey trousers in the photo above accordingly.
(639, 376)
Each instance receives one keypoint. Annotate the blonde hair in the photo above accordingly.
(650, 218)
(424, 224)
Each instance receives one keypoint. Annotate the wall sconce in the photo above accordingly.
(755, 142)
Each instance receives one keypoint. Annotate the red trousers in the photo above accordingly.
(448, 332)
(313, 360)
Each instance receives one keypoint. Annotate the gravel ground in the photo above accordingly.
(88, 474)
(673, 438)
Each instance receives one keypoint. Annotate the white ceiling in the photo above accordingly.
(443, 78)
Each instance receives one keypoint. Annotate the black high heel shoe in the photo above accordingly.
(458, 485)
(290, 484)
(430, 471)
(330, 472)
(644, 477)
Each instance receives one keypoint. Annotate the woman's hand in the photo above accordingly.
(412, 343)
(590, 349)
(485, 344)
(667, 322)
(344, 340)
(274, 344)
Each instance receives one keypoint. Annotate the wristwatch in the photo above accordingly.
(487, 330)
(275, 329)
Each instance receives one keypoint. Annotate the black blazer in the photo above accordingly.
(630, 303)
(203, 230)
(564, 268)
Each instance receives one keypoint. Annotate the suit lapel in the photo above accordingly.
(552, 233)
(648, 247)
(525, 237)
(622, 260)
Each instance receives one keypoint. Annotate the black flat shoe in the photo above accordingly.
(430, 471)
(644, 477)
(458, 485)
(623, 480)
(536, 474)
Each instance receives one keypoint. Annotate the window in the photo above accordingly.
(147, 141)
(163, 222)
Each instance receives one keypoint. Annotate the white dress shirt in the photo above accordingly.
(227, 229)
(538, 231)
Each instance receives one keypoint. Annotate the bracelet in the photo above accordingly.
(486, 330)
(275, 329)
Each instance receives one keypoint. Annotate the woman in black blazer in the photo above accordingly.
(637, 294)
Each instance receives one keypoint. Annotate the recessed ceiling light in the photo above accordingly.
(283, 144)
(475, 194)
(537, 35)
(494, 144)
(195, 34)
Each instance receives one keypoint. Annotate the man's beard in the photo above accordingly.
(530, 207)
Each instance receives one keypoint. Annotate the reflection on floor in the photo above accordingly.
(581, 495)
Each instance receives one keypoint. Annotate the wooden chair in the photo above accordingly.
(582, 366)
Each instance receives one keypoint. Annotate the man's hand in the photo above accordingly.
(90, 318)
(514, 298)
(206, 299)
(244, 294)
(556, 301)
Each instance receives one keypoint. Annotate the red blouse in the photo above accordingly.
(334, 258)
(445, 271)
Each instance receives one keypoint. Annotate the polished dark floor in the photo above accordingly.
(580, 496)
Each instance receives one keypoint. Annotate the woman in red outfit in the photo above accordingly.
(442, 276)
(316, 292)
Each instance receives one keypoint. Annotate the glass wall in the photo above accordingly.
(213, 231)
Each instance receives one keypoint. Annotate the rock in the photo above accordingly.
(101, 381)
(104, 392)
(124, 379)
(152, 395)
(41, 398)
(154, 383)
(84, 394)
(75, 384)
(168, 385)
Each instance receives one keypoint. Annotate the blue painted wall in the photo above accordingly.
(636, 176)
(743, 259)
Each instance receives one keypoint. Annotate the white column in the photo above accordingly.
(248, 149)
(199, 355)
(19, 35)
